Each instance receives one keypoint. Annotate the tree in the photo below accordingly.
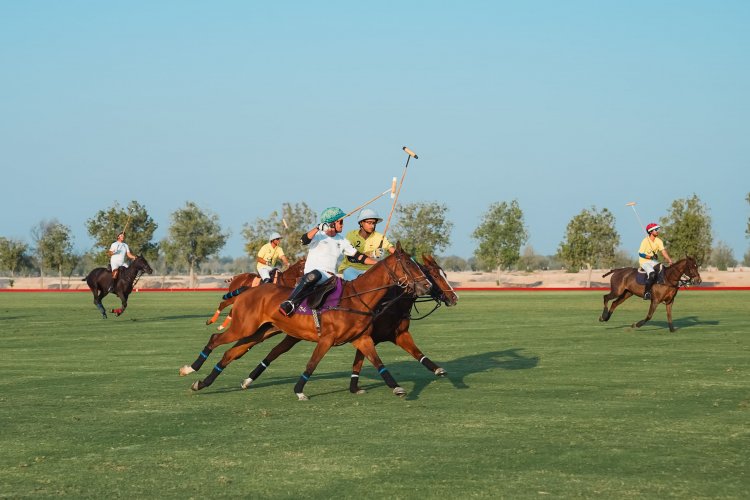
(453, 263)
(722, 257)
(299, 219)
(193, 237)
(12, 254)
(54, 247)
(501, 235)
(105, 225)
(687, 230)
(422, 228)
(591, 240)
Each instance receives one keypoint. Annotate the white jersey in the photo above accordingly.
(325, 251)
(119, 252)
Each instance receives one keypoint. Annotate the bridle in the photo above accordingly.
(438, 294)
(687, 274)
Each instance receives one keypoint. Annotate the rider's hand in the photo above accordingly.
(377, 253)
(323, 226)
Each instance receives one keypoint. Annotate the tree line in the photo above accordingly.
(195, 237)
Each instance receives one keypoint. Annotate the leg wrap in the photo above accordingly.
(300, 385)
(201, 359)
(233, 293)
(389, 380)
(259, 369)
(429, 364)
(354, 383)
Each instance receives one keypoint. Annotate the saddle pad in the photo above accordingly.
(640, 276)
(331, 301)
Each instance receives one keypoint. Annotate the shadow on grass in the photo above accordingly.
(412, 371)
(679, 324)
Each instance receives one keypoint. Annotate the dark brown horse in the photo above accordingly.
(623, 284)
(257, 317)
(100, 279)
(391, 324)
(242, 282)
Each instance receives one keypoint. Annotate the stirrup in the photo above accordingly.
(287, 308)
(647, 296)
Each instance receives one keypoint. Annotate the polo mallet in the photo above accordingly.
(411, 154)
(632, 205)
(391, 190)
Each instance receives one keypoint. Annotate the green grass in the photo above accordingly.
(541, 400)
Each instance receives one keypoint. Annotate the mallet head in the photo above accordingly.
(393, 188)
(411, 153)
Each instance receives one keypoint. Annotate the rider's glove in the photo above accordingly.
(323, 226)
(377, 253)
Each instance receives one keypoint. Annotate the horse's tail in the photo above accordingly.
(610, 272)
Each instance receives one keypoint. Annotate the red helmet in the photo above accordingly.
(652, 227)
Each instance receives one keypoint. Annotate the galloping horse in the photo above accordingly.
(623, 284)
(257, 317)
(242, 282)
(390, 323)
(100, 279)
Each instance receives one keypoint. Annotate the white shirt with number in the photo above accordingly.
(119, 252)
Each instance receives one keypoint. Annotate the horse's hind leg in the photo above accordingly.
(651, 309)
(669, 316)
(359, 360)
(606, 313)
(284, 346)
(366, 345)
(622, 298)
(222, 305)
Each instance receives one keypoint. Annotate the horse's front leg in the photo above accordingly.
(236, 352)
(324, 344)
(651, 309)
(124, 302)
(406, 342)
(215, 340)
(284, 346)
(367, 346)
(669, 316)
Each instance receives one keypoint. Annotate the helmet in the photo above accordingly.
(274, 236)
(652, 227)
(331, 214)
(369, 213)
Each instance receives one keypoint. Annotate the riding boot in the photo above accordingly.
(306, 284)
(649, 283)
(114, 282)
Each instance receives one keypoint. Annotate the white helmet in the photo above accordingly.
(274, 236)
(368, 213)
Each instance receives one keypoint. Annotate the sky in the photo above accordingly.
(240, 106)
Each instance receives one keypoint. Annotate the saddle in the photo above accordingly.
(323, 297)
(641, 275)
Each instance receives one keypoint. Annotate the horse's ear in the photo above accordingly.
(398, 246)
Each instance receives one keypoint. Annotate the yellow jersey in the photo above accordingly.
(649, 249)
(270, 254)
(365, 246)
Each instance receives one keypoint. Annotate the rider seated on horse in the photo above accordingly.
(648, 256)
(326, 246)
(269, 255)
(117, 252)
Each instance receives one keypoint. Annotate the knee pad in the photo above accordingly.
(312, 277)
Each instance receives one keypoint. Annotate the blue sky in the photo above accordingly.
(241, 106)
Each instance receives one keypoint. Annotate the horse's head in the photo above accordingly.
(406, 273)
(690, 271)
(141, 265)
(441, 290)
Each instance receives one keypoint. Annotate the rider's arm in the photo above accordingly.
(666, 256)
(360, 258)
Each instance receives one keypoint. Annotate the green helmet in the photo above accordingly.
(331, 214)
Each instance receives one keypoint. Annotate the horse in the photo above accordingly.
(623, 284)
(100, 279)
(242, 282)
(257, 317)
(391, 323)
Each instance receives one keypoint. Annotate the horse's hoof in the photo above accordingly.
(186, 370)
(196, 386)
(440, 372)
(208, 321)
(301, 397)
(246, 383)
(220, 328)
(399, 391)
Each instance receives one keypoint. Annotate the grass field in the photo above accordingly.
(541, 400)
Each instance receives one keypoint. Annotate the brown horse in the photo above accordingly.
(391, 324)
(257, 317)
(100, 279)
(623, 284)
(242, 282)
